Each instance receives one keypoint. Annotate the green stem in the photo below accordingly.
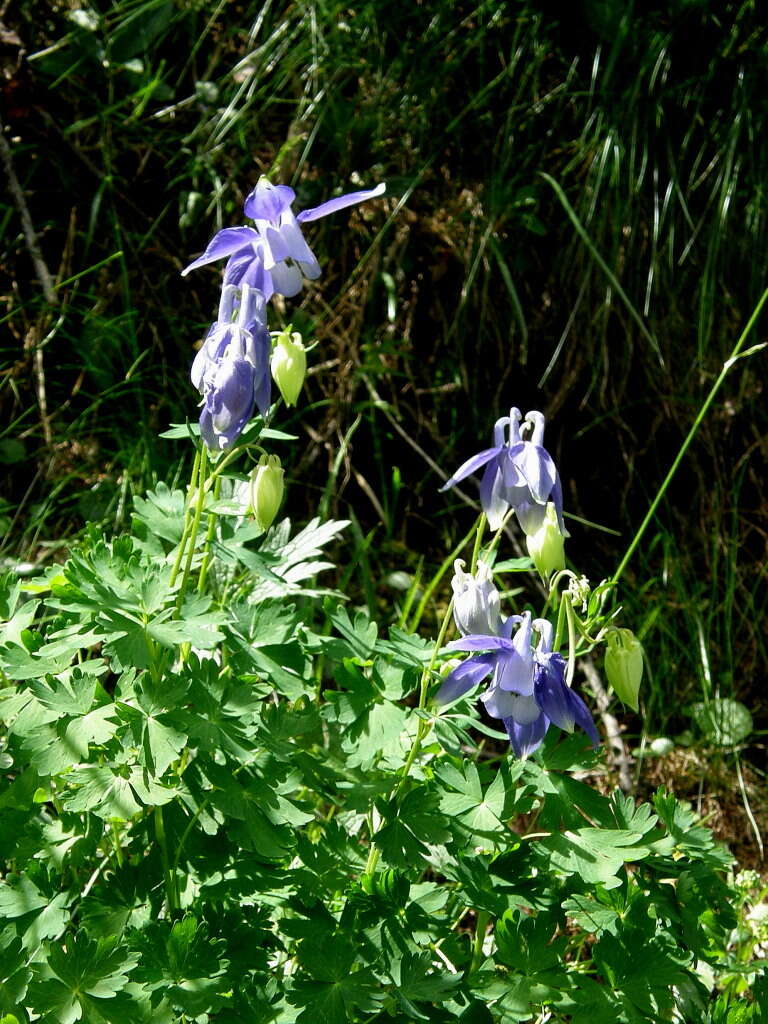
(477, 949)
(560, 628)
(480, 529)
(199, 505)
(423, 727)
(569, 615)
(444, 567)
(187, 521)
(727, 365)
(208, 539)
(118, 847)
(170, 889)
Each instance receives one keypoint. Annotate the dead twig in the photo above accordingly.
(34, 338)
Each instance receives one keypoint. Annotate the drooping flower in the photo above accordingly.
(231, 369)
(519, 474)
(476, 601)
(510, 659)
(528, 689)
(273, 256)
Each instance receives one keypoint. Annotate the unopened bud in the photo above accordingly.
(266, 490)
(546, 544)
(289, 365)
(475, 600)
(624, 665)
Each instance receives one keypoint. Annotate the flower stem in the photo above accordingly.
(423, 727)
(187, 520)
(208, 539)
(170, 889)
(444, 567)
(198, 514)
(481, 924)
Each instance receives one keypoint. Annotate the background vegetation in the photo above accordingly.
(575, 221)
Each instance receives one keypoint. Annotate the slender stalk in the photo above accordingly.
(480, 529)
(423, 727)
(198, 514)
(444, 567)
(170, 889)
(569, 615)
(117, 845)
(727, 365)
(187, 520)
(208, 539)
(481, 924)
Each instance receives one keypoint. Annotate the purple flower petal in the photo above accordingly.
(525, 738)
(503, 704)
(340, 203)
(556, 497)
(492, 496)
(232, 397)
(480, 642)
(253, 273)
(470, 466)
(286, 279)
(262, 345)
(515, 673)
(552, 695)
(297, 247)
(268, 201)
(584, 718)
(464, 678)
(223, 243)
(561, 705)
(537, 467)
(275, 248)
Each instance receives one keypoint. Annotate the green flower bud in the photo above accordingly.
(624, 665)
(289, 365)
(546, 545)
(265, 490)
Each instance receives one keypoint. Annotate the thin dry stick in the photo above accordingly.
(43, 275)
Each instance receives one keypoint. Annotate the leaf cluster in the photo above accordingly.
(210, 811)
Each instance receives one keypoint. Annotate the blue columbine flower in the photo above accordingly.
(519, 474)
(273, 256)
(231, 370)
(528, 689)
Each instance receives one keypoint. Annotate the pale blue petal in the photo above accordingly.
(464, 678)
(480, 642)
(286, 279)
(526, 738)
(492, 496)
(340, 203)
(268, 202)
(224, 243)
(537, 467)
(470, 466)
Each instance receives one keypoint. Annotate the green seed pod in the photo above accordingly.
(289, 365)
(624, 665)
(265, 490)
(546, 545)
